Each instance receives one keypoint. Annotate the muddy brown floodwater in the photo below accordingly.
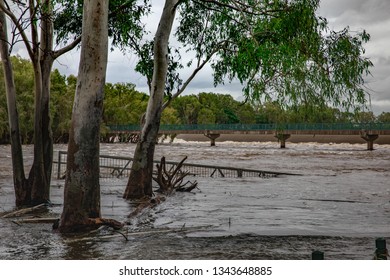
(339, 205)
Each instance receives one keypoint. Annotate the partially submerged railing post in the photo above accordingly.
(124, 168)
(381, 252)
(59, 164)
(317, 255)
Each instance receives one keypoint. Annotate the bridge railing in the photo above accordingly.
(262, 127)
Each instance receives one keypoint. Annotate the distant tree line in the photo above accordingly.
(123, 104)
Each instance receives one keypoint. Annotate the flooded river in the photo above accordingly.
(340, 204)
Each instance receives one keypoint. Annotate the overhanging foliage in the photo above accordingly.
(278, 50)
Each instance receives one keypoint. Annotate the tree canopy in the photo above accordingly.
(124, 22)
(278, 50)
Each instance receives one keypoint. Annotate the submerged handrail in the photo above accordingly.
(119, 166)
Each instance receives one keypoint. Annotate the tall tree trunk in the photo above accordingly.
(46, 63)
(37, 178)
(140, 180)
(36, 189)
(22, 190)
(82, 189)
(40, 173)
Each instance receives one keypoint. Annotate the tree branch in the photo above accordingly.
(225, 5)
(248, 9)
(19, 27)
(34, 30)
(67, 48)
(190, 78)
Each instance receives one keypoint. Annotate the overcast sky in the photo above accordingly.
(373, 16)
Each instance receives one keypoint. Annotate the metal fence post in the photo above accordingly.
(59, 165)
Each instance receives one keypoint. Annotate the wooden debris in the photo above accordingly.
(35, 221)
(24, 211)
(172, 179)
(169, 181)
(192, 186)
(106, 222)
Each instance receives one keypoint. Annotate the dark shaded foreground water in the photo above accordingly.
(41, 243)
(339, 205)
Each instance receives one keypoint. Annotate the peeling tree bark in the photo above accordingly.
(140, 180)
(82, 189)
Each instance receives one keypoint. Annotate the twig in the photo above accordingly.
(121, 233)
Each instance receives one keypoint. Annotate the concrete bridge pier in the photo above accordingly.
(282, 137)
(370, 138)
(212, 137)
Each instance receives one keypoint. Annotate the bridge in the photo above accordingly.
(368, 131)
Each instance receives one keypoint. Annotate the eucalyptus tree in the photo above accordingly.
(32, 25)
(142, 167)
(279, 50)
(82, 190)
(22, 193)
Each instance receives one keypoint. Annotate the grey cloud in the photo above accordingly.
(362, 11)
